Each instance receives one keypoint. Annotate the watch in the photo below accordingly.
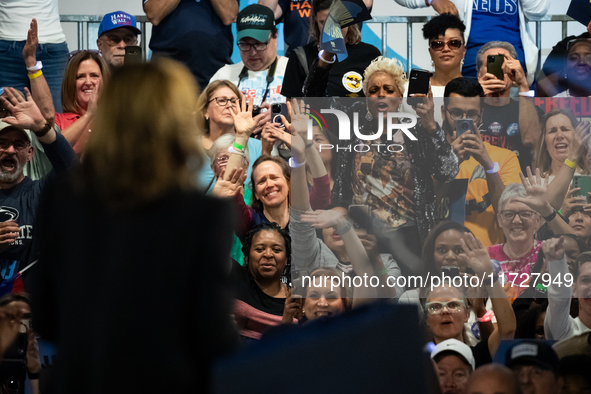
(43, 131)
(550, 217)
(495, 168)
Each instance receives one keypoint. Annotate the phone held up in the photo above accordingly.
(133, 55)
(464, 126)
(494, 66)
(418, 83)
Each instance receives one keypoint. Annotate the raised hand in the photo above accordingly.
(536, 188)
(229, 188)
(582, 135)
(323, 219)
(298, 128)
(476, 255)
(244, 123)
(553, 248)
(30, 48)
(25, 112)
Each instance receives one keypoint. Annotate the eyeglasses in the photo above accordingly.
(113, 39)
(222, 159)
(438, 45)
(223, 101)
(259, 46)
(436, 308)
(510, 215)
(18, 144)
(459, 114)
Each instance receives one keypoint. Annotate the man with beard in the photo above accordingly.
(19, 195)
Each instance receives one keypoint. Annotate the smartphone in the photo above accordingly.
(418, 83)
(133, 54)
(584, 182)
(494, 66)
(464, 126)
(276, 111)
(297, 288)
(450, 271)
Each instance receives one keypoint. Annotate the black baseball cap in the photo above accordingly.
(255, 21)
(531, 352)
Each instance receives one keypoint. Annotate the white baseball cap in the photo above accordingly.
(453, 345)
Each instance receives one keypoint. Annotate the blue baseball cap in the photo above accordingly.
(117, 19)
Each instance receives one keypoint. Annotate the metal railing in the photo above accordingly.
(83, 22)
(410, 20)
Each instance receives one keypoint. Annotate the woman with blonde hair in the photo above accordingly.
(128, 227)
(214, 111)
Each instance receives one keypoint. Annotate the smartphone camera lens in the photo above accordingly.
(464, 126)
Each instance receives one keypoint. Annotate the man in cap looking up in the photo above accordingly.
(117, 31)
(454, 363)
(536, 366)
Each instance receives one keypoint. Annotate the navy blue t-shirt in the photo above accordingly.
(194, 34)
(497, 19)
(296, 20)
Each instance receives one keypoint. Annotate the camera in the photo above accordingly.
(256, 110)
(464, 126)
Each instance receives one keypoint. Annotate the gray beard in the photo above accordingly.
(10, 177)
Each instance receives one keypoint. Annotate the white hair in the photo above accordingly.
(388, 66)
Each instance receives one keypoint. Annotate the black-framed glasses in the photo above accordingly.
(18, 144)
(438, 45)
(113, 39)
(457, 113)
(510, 215)
(223, 101)
(259, 46)
(436, 307)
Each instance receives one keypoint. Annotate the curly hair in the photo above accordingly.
(440, 24)
(391, 67)
(247, 244)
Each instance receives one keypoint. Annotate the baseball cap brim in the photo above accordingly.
(529, 361)
(259, 35)
(7, 127)
(134, 29)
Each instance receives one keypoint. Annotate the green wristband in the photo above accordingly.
(238, 146)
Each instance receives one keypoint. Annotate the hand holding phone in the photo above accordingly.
(464, 126)
(418, 83)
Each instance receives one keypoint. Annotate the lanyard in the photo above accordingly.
(270, 77)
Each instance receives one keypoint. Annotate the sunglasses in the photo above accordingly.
(438, 45)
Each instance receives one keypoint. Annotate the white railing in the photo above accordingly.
(84, 21)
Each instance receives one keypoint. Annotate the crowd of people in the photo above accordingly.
(185, 207)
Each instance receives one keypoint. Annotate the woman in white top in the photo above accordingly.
(445, 34)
